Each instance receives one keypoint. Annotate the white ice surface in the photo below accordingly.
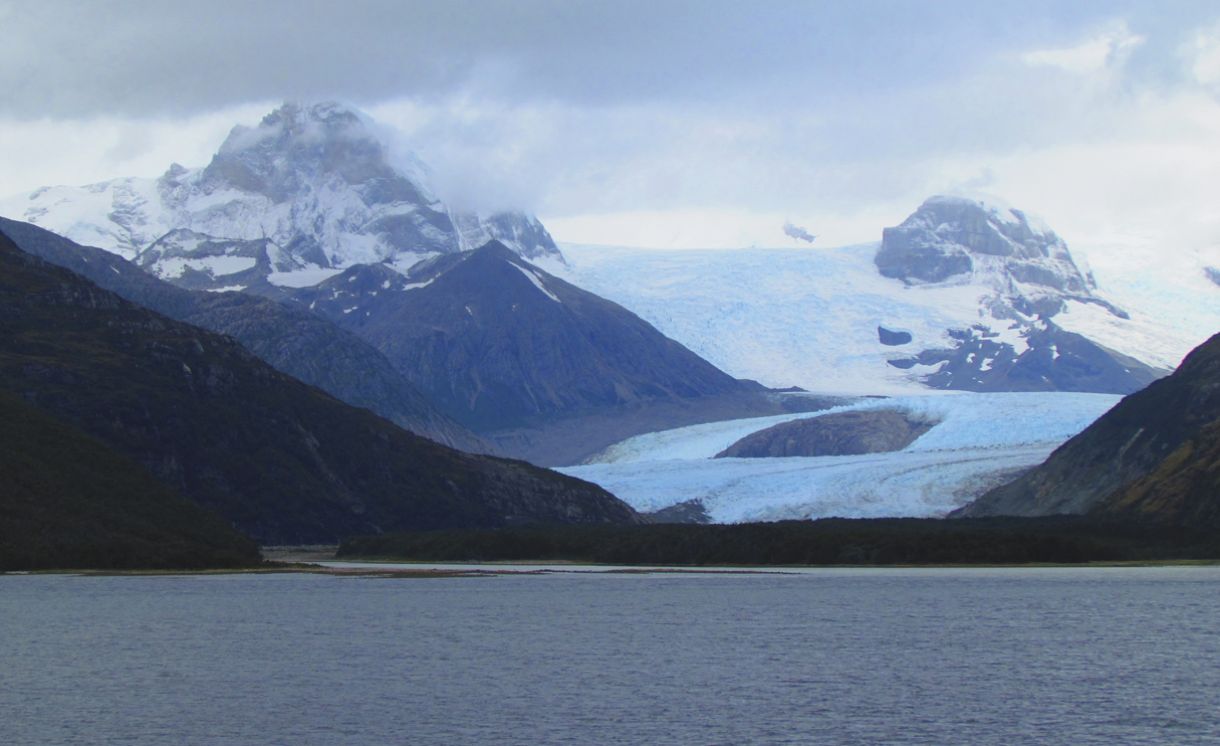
(217, 266)
(808, 317)
(803, 317)
(303, 278)
(980, 438)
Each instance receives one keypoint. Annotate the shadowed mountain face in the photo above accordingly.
(71, 502)
(281, 461)
(1153, 455)
(497, 342)
(294, 341)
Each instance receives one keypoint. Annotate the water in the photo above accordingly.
(1007, 656)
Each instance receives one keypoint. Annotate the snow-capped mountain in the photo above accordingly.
(311, 184)
(1027, 277)
(977, 297)
(966, 241)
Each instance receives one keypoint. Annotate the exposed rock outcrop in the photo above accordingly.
(835, 434)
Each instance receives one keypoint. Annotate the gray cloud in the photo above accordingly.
(68, 58)
(578, 108)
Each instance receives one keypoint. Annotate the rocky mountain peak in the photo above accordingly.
(316, 180)
(960, 240)
(1026, 279)
(299, 144)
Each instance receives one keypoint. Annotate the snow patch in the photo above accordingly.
(537, 282)
(303, 278)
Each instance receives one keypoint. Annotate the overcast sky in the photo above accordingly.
(664, 123)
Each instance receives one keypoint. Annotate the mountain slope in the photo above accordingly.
(1153, 453)
(1183, 489)
(281, 461)
(313, 184)
(296, 342)
(497, 342)
(69, 501)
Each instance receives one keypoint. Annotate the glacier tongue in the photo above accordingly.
(980, 440)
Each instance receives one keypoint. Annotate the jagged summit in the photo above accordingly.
(298, 143)
(958, 239)
(314, 181)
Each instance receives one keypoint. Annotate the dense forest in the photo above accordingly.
(832, 541)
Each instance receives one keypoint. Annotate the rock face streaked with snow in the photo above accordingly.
(979, 442)
(498, 343)
(313, 184)
(955, 317)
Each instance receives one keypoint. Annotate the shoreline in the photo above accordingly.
(399, 568)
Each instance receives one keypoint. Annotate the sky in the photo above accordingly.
(665, 123)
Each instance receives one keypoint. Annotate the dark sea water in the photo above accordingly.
(1019, 656)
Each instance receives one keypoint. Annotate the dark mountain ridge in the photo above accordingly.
(498, 343)
(294, 341)
(281, 461)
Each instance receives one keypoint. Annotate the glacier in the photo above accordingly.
(809, 317)
(981, 440)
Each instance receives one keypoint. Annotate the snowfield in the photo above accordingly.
(980, 441)
(808, 317)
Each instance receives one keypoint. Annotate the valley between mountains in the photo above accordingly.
(300, 342)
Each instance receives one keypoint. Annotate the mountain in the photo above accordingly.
(1028, 277)
(963, 295)
(498, 343)
(1155, 454)
(70, 502)
(281, 461)
(294, 341)
(310, 187)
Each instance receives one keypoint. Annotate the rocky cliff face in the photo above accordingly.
(311, 186)
(1153, 454)
(1025, 278)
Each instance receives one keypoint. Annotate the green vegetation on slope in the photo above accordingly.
(69, 502)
